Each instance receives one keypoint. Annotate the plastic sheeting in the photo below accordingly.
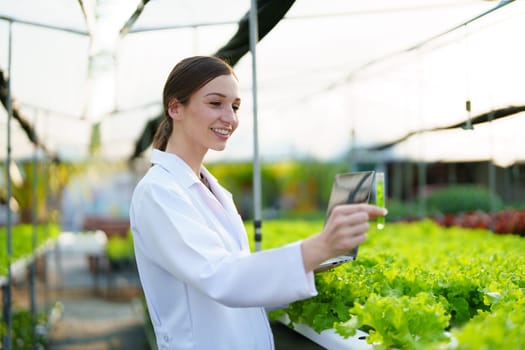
(329, 77)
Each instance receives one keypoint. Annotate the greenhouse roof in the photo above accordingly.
(351, 74)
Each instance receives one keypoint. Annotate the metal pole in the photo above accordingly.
(492, 169)
(7, 312)
(422, 185)
(33, 266)
(257, 220)
(421, 166)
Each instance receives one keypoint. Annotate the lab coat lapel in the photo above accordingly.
(216, 218)
(225, 199)
(223, 215)
(237, 225)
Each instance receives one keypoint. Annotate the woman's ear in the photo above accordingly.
(174, 109)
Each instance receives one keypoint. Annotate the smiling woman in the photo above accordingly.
(206, 119)
(202, 285)
(178, 107)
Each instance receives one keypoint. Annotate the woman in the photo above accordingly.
(203, 288)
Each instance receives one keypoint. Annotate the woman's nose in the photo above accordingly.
(229, 114)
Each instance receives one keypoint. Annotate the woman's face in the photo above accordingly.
(209, 118)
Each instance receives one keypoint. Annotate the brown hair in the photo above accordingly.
(188, 76)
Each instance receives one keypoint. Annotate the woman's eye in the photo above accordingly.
(235, 107)
(216, 104)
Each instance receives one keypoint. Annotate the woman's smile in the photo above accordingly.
(222, 132)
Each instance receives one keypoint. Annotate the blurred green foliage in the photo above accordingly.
(402, 210)
(41, 182)
(120, 248)
(22, 334)
(22, 242)
(463, 198)
(298, 186)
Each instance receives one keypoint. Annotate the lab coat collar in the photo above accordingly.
(174, 165)
(187, 178)
(209, 176)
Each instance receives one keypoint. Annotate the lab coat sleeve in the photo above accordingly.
(173, 234)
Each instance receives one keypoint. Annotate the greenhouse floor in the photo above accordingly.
(97, 311)
(103, 311)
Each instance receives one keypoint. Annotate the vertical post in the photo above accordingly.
(7, 312)
(515, 187)
(353, 159)
(397, 181)
(452, 177)
(422, 186)
(492, 171)
(421, 165)
(492, 185)
(33, 265)
(257, 217)
(409, 178)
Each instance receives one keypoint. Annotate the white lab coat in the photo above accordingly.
(203, 287)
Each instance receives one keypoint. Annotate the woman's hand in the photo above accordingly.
(345, 229)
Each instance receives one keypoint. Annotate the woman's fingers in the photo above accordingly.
(345, 229)
(371, 210)
(346, 238)
(350, 219)
(348, 225)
